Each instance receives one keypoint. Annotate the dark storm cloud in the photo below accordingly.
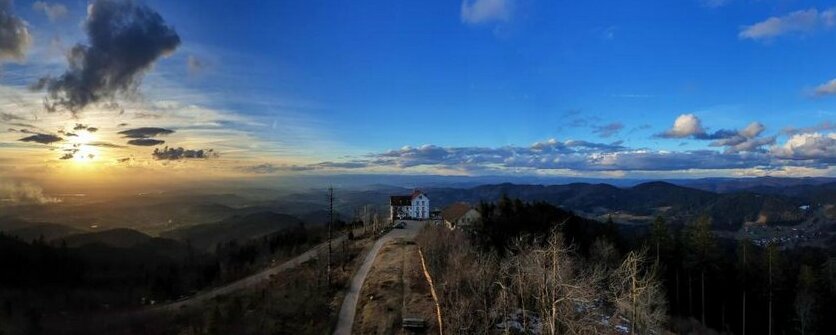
(42, 138)
(125, 39)
(14, 35)
(180, 153)
(145, 132)
(145, 142)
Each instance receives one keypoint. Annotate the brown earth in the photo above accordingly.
(395, 288)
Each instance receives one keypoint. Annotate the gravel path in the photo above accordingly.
(345, 322)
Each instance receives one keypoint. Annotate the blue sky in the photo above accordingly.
(473, 87)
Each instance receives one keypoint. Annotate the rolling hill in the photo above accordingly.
(238, 227)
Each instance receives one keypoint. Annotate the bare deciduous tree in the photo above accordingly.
(638, 295)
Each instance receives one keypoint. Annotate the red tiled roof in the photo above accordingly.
(455, 211)
(400, 200)
(416, 193)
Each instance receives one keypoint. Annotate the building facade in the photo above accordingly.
(415, 206)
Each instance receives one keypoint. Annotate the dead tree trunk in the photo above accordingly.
(330, 222)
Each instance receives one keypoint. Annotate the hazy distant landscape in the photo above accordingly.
(524, 167)
(171, 245)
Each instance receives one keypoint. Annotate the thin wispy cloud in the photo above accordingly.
(826, 89)
(145, 132)
(824, 126)
(53, 11)
(608, 130)
(795, 23)
(486, 11)
(715, 3)
(195, 65)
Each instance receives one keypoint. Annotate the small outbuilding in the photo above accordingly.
(460, 216)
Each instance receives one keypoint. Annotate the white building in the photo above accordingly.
(415, 206)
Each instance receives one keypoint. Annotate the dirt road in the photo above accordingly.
(251, 280)
(345, 322)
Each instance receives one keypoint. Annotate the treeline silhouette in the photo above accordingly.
(707, 279)
(39, 277)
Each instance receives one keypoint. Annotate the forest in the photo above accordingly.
(528, 260)
(42, 279)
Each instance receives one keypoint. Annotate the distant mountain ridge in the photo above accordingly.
(724, 185)
(680, 203)
(238, 227)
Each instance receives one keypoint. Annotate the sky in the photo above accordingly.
(110, 91)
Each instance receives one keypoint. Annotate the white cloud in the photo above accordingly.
(752, 130)
(808, 146)
(486, 11)
(798, 22)
(686, 125)
(828, 88)
(52, 11)
(744, 140)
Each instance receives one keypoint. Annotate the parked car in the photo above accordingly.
(400, 225)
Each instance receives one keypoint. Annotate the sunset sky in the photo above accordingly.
(113, 91)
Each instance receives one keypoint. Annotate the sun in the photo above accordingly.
(83, 137)
(85, 152)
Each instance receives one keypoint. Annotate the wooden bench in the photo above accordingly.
(414, 323)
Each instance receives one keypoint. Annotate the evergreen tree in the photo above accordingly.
(702, 247)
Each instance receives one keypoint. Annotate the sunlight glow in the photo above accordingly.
(84, 152)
